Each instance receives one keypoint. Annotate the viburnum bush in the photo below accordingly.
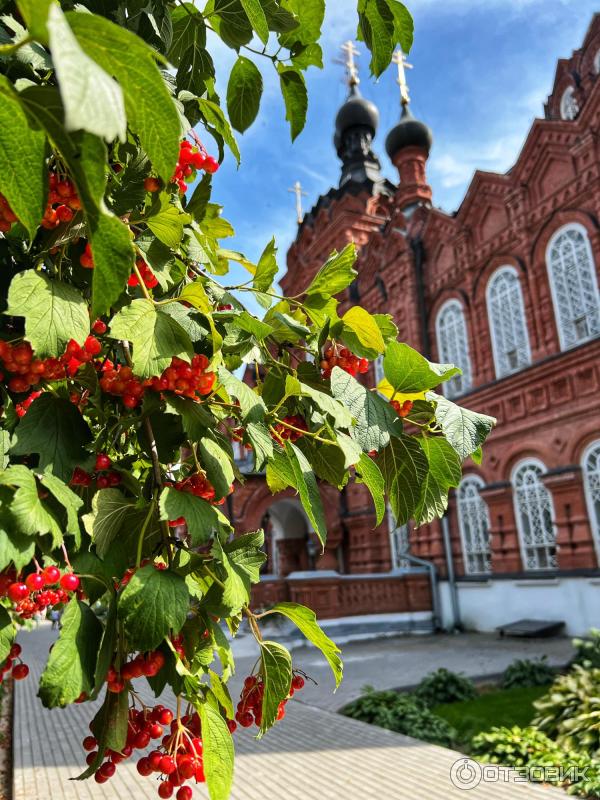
(121, 345)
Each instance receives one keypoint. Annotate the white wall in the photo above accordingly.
(485, 605)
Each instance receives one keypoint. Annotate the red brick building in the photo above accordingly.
(507, 288)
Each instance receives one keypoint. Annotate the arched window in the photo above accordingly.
(510, 341)
(574, 285)
(399, 541)
(597, 62)
(378, 369)
(474, 524)
(569, 107)
(453, 346)
(591, 482)
(534, 512)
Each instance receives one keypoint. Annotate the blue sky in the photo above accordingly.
(482, 71)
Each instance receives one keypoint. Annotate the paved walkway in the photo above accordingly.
(313, 755)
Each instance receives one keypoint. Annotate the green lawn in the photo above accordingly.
(503, 707)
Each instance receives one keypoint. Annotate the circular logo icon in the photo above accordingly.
(465, 773)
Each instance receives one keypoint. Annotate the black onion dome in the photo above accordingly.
(356, 112)
(409, 132)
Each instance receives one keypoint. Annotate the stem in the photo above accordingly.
(138, 559)
(253, 624)
(314, 436)
(143, 286)
(66, 555)
(6, 49)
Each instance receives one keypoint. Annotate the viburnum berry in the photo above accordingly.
(152, 184)
(35, 581)
(99, 327)
(282, 431)
(89, 743)
(149, 278)
(103, 462)
(15, 650)
(20, 672)
(51, 575)
(69, 582)
(86, 259)
(192, 158)
(18, 591)
(297, 682)
(7, 215)
(403, 409)
(80, 477)
(165, 790)
(335, 356)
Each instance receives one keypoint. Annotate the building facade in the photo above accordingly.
(507, 289)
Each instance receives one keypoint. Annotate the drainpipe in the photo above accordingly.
(456, 620)
(433, 579)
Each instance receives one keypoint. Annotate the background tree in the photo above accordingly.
(119, 345)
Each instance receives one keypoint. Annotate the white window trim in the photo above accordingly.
(495, 344)
(466, 377)
(597, 62)
(569, 96)
(549, 271)
(472, 478)
(532, 462)
(594, 521)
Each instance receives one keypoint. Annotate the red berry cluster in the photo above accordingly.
(25, 370)
(403, 409)
(18, 671)
(21, 408)
(7, 215)
(103, 474)
(33, 595)
(335, 356)
(281, 431)
(190, 160)
(249, 709)
(189, 380)
(149, 278)
(63, 201)
(198, 485)
(143, 665)
(86, 259)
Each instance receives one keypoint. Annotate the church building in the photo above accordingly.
(506, 288)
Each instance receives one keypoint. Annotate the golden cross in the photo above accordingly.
(297, 190)
(350, 52)
(400, 60)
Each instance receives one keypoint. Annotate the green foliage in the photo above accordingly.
(444, 686)
(587, 650)
(528, 672)
(136, 338)
(403, 713)
(537, 757)
(570, 711)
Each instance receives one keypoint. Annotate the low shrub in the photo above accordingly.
(444, 686)
(587, 650)
(539, 758)
(570, 711)
(403, 713)
(526, 672)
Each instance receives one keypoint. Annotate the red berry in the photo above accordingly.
(144, 767)
(17, 592)
(165, 790)
(15, 650)
(69, 582)
(20, 671)
(152, 184)
(184, 793)
(99, 327)
(102, 462)
(89, 743)
(51, 575)
(165, 717)
(107, 769)
(92, 346)
(35, 581)
(167, 765)
(297, 682)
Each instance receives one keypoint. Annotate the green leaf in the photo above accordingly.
(196, 205)
(256, 327)
(276, 671)
(374, 417)
(257, 18)
(408, 371)
(16, 549)
(327, 460)
(101, 111)
(444, 473)
(221, 692)
(215, 119)
(404, 466)
(200, 516)
(54, 312)
(194, 416)
(195, 294)
(4, 448)
(189, 30)
(293, 89)
(244, 91)
(266, 269)
(85, 156)
(217, 464)
(30, 512)
(373, 480)
(7, 634)
(35, 14)
(217, 752)
(310, 14)
(154, 603)
(465, 430)
(403, 25)
(106, 650)
(352, 451)
(70, 667)
(167, 223)
(336, 274)
(155, 337)
(23, 174)
(151, 112)
(241, 560)
(364, 331)
(251, 404)
(110, 508)
(376, 26)
(342, 418)
(305, 619)
(53, 428)
(110, 724)
(280, 474)
(306, 483)
(70, 501)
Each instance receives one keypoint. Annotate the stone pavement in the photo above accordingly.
(313, 755)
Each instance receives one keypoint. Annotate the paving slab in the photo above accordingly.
(315, 754)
